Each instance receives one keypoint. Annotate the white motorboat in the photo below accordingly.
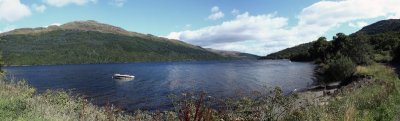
(122, 76)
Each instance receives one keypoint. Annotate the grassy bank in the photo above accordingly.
(18, 102)
(374, 97)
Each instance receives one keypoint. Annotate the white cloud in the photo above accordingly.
(358, 24)
(13, 10)
(118, 3)
(327, 14)
(61, 3)
(242, 27)
(267, 33)
(215, 13)
(39, 8)
(235, 34)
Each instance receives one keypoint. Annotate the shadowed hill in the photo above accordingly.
(391, 25)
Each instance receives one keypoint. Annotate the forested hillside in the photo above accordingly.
(297, 53)
(91, 42)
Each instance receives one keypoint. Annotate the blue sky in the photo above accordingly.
(256, 26)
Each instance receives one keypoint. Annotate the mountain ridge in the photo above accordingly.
(83, 25)
(389, 25)
(83, 42)
(87, 25)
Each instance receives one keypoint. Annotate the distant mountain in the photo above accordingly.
(89, 25)
(234, 54)
(379, 31)
(92, 42)
(391, 25)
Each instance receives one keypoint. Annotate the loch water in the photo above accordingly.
(155, 81)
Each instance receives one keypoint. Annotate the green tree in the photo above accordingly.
(339, 42)
(358, 49)
(319, 50)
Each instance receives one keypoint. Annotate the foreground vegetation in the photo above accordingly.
(373, 98)
(376, 98)
(367, 91)
(19, 102)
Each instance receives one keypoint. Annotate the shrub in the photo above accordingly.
(339, 69)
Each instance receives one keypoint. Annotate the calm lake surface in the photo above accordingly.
(154, 81)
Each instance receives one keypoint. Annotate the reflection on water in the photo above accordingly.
(154, 81)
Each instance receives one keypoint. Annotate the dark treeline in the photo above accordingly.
(338, 58)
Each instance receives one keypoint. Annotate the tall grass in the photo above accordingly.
(377, 98)
(18, 102)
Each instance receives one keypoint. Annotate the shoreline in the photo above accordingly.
(313, 103)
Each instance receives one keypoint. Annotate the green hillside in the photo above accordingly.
(297, 53)
(99, 44)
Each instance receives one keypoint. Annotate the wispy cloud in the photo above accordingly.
(39, 8)
(118, 3)
(187, 26)
(235, 12)
(215, 13)
(61, 3)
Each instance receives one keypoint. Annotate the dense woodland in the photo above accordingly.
(78, 47)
